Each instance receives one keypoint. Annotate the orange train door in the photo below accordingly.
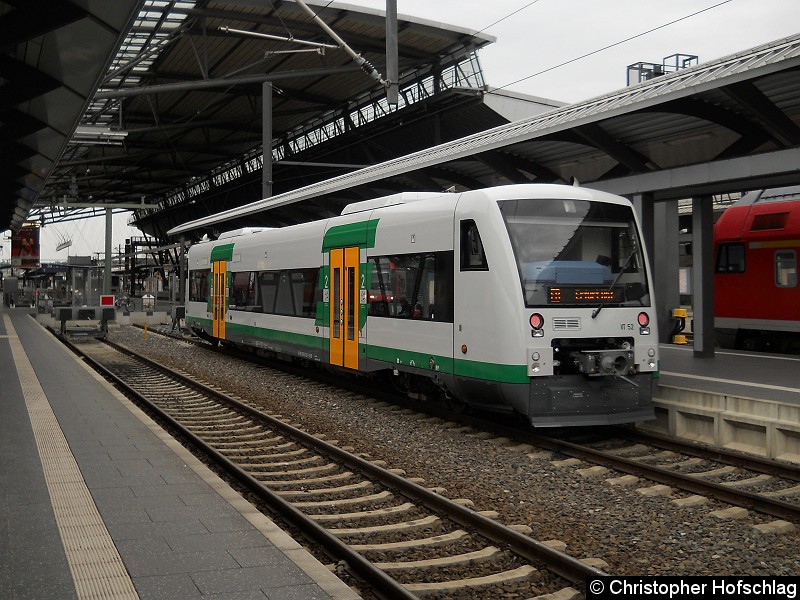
(219, 296)
(344, 307)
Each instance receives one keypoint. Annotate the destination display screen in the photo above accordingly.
(583, 295)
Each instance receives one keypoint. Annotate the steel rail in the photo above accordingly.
(560, 563)
(752, 463)
(383, 585)
(763, 504)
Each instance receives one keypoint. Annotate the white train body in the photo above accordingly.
(531, 298)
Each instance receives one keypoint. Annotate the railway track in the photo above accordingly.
(749, 482)
(403, 539)
(677, 468)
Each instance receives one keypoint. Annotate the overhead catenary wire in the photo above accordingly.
(619, 43)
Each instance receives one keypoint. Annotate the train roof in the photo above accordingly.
(394, 199)
(782, 194)
(772, 213)
(505, 192)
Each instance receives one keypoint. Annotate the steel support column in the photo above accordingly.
(266, 137)
(392, 67)
(182, 270)
(665, 266)
(109, 230)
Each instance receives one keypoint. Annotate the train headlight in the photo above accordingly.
(537, 325)
(651, 362)
(644, 321)
(535, 366)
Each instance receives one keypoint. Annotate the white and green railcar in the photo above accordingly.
(528, 298)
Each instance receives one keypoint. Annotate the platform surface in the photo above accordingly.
(98, 502)
(773, 377)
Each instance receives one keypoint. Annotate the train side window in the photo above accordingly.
(268, 288)
(292, 293)
(786, 268)
(731, 258)
(243, 292)
(473, 257)
(304, 282)
(412, 286)
(285, 302)
(198, 285)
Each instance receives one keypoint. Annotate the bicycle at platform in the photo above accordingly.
(124, 302)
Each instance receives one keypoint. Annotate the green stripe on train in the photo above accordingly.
(410, 358)
(491, 371)
(360, 234)
(276, 335)
(392, 356)
(223, 252)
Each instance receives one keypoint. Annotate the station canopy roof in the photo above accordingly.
(725, 126)
(160, 102)
(131, 102)
(52, 56)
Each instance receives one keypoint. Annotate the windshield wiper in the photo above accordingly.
(597, 310)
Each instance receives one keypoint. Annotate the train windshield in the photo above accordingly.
(576, 253)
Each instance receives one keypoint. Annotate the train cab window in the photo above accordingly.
(573, 252)
(731, 258)
(786, 268)
(473, 257)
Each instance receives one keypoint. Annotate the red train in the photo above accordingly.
(756, 293)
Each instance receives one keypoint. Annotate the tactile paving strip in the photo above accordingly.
(96, 566)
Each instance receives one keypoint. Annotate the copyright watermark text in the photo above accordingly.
(680, 588)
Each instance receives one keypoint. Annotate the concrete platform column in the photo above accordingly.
(703, 276)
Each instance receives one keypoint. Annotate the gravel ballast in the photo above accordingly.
(632, 533)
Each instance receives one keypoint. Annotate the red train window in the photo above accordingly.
(730, 258)
(786, 268)
(769, 221)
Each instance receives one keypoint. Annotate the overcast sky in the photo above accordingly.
(536, 36)
(542, 34)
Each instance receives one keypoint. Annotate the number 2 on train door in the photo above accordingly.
(344, 307)
(219, 295)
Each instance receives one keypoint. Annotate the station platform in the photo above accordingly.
(99, 502)
(774, 377)
(744, 401)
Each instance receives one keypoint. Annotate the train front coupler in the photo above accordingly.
(599, 363)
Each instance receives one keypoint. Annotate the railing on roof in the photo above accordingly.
(371, 106)
(643, 71)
